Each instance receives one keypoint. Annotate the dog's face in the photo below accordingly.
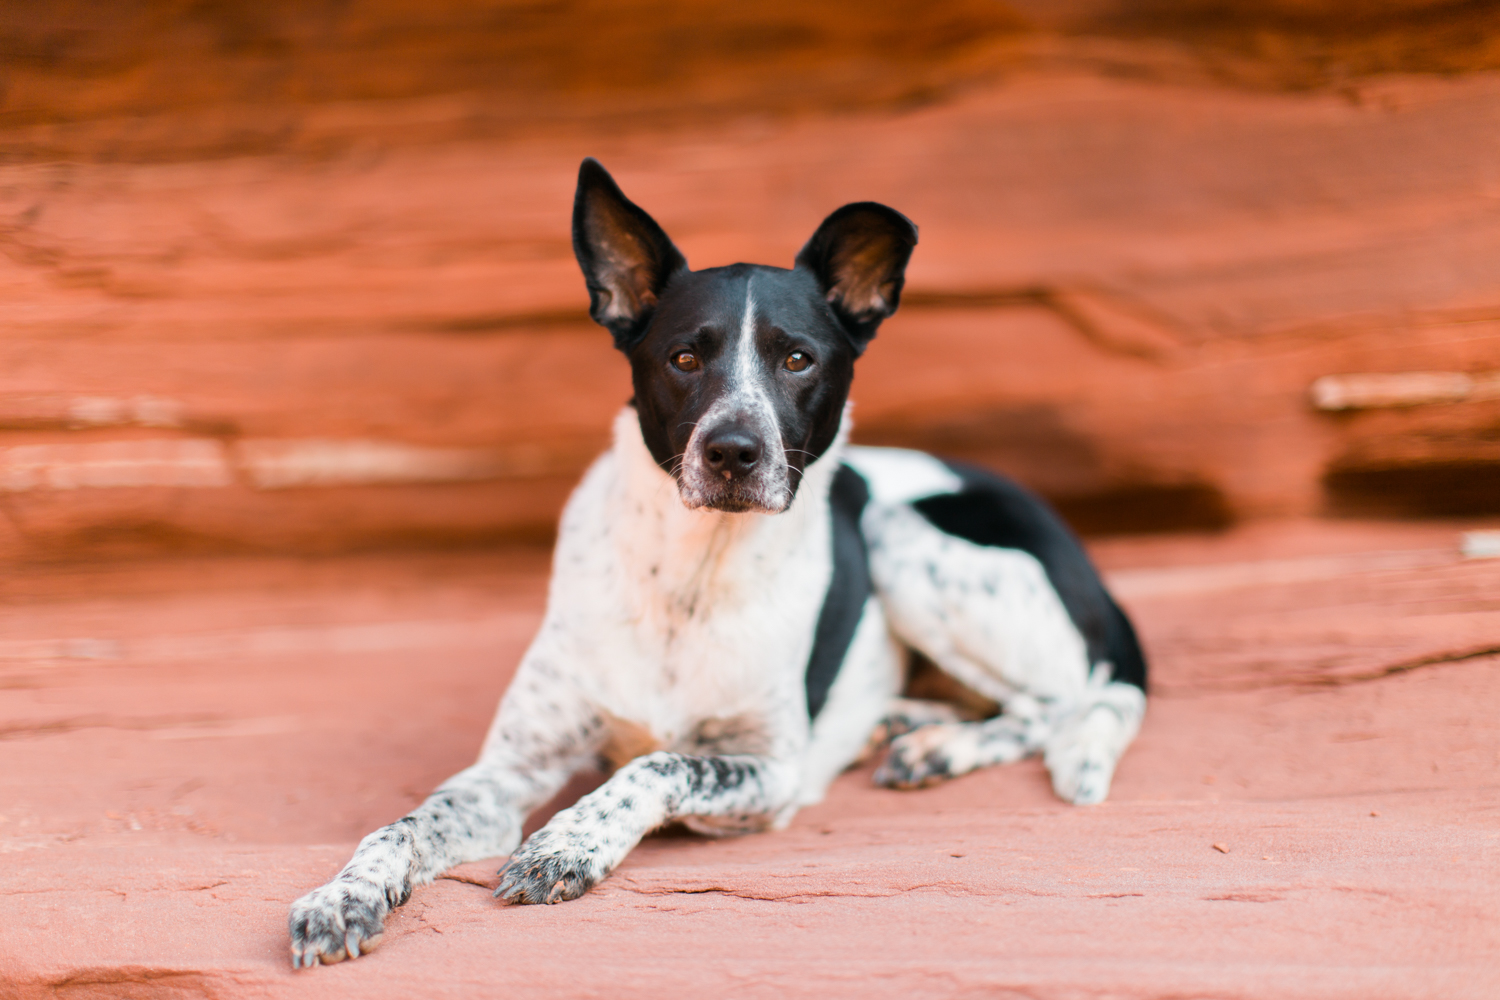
(740, 380)
(740, 372)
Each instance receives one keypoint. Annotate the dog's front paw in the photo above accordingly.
(340, 920)
(551, 867)
(922, 757)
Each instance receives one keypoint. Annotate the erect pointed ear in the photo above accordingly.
(859, 257)
(627, 259)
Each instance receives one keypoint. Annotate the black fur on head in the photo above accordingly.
(740, 372)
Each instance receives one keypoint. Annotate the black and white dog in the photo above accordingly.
(736, 591)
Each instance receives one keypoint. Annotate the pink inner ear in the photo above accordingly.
(861, 296)
(627, 277)
(863, 285)
(627, 297)
(618, 244)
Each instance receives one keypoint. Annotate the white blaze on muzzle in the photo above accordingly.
(745, 401)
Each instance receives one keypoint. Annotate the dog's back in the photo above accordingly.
(992, 510)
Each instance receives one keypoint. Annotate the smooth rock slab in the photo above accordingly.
(163, 805)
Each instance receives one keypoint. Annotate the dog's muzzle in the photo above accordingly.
(728, 468)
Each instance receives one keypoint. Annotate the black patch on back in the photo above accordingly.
(993, 510)
(848, 589)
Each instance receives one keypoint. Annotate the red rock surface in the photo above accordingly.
(1144, 235)
(186, 746)
(283, 280)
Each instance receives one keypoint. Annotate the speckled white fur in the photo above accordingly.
(990, 618)
(695, 626)
(649, 611)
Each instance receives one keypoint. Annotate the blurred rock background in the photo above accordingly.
(294, 275)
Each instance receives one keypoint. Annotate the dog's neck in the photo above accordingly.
(685, 551)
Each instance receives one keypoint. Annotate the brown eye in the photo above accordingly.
(685, 361)
(798, 361)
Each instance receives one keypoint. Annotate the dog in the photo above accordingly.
(736, 592)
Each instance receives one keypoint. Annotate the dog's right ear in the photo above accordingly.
(627, 259)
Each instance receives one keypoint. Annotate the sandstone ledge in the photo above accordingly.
(187, 746)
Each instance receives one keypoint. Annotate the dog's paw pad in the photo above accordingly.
(540, 872)
(548, 882)
(343, 919)
(918, 758)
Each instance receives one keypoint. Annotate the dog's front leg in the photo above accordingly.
(473, 815)
(584, 843)
(540, 736)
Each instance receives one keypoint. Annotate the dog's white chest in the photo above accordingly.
(683, 619)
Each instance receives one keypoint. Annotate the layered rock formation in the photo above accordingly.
(297, 276)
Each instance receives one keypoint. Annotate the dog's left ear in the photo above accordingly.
(626, 257)
(859, 257)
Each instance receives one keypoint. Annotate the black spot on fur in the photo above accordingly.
(992, 510)
(848, 589)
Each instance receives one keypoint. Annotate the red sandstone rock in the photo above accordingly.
(1123, 294)
(235, 240)
(187, 746)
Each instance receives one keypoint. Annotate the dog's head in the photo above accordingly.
(740, 372)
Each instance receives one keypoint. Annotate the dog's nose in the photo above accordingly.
(732, 451)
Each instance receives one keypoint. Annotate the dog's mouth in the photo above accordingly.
(768, 491)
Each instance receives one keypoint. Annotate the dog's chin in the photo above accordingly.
(744, 497)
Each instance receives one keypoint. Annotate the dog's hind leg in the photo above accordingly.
(583, 843)
(937, 751)
(1082, 749)
(1081, 743)
(538, 739)
(990, 617)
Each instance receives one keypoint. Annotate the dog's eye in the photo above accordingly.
(798, 361)
(685, 361)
